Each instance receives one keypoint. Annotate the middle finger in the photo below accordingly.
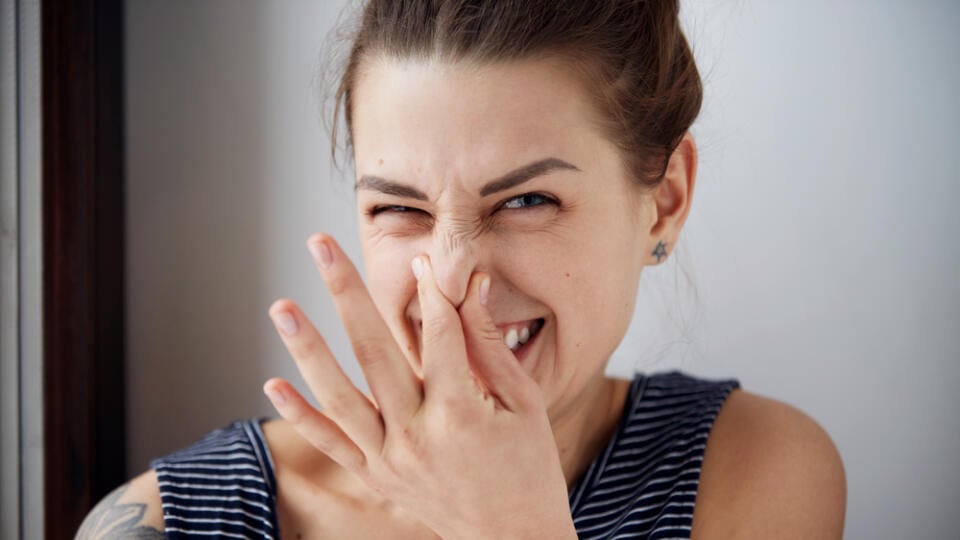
(395, 387)
(338, 396)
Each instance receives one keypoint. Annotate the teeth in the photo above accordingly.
(516, 336)
(524, 334)
(512, 340)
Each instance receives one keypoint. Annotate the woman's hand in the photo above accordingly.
(468, 450)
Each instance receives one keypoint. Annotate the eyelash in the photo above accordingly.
(373, 212)
(406, 209)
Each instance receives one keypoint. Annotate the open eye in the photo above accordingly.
(527, 200)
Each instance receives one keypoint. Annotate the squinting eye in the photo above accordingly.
(526, 200)
(392, 208)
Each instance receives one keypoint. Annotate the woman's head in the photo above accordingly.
(541, 142)
(630, 55)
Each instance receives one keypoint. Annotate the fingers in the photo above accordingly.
(314, 426)
(493, 361)
(341, 400)
(393, 384)
(443, 352)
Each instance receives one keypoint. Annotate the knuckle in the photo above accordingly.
(404, 452)
(296, 413)
(323, 442)
(369, 351)
(406, 462)
(338, 404)
(452, 410)
(310, 347)
(436, 327)
(409, 443)
(357, 464)
(489, 333)
(339, 283)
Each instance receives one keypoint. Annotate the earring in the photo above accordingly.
(660, 251)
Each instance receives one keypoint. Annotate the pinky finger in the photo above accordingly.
(314, 426)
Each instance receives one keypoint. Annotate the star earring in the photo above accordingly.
(661, 250)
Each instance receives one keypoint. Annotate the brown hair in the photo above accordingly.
(631, 55)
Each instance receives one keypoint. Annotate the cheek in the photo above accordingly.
(595, 295)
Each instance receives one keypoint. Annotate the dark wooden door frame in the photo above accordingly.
(83, 257)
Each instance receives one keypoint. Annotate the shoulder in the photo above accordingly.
(131, 511)
(769, 471)
(228, 468)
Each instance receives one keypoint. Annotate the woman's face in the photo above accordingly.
(500, 168)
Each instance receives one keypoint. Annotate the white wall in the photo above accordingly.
(821, 239)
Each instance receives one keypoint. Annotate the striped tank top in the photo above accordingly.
(642, 485)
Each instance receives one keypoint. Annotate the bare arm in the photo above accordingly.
(130, 512)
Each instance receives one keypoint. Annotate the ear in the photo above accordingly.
(672, 200)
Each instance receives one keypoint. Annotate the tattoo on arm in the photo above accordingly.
(112, 521)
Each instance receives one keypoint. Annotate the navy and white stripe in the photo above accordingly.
(642, 485)
(221, 487)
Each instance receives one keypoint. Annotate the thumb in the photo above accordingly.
(489, 356)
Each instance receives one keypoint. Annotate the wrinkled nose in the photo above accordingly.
(454, 258)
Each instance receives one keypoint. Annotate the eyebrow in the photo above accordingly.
(511, 179)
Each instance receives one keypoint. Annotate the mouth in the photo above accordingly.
(520, 337)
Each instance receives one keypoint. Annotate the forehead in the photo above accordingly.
(431, 116)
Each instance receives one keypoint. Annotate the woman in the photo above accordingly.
(518, 165)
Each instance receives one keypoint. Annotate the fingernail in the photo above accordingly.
(484, 290)
(286, 323)
(321, 253)
(417, 266)
(275, 396)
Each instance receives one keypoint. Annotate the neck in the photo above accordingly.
(581, 431)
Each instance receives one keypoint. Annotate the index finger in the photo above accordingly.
(392, 382)
(444, 350)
